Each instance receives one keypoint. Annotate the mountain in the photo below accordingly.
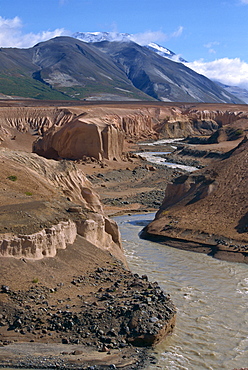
(68, 68)
(93, 37)
(64, 68)
(125, 37)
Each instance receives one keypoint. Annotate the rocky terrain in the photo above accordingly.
(62, 262)
(81, 297)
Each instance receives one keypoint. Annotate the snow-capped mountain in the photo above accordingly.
(68, 68)
(125, 37)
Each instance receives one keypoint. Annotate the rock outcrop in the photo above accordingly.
(204, 121)
(206, 211)
(79, 139)
(97, 133)
(44, 243)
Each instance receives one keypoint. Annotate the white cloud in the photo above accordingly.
(210, 46)
(149, 36)
(244, 1)
(232, 72)
(178, 32)
(154, 36)
(11, 34)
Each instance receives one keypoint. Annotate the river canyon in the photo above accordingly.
(66, 171)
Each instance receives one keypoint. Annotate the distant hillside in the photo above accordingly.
(67, 68)
(240, 93)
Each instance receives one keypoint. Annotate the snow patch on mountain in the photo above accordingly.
(102, 36)
(164, 52)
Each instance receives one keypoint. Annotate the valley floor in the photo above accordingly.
(139, 186)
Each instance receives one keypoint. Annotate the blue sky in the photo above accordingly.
(211, 34)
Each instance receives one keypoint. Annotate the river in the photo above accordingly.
(155, 157)
(211, 297)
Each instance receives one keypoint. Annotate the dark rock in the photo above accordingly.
(65, 341)
(5, 289)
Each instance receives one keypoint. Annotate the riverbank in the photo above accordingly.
(78, 309)
(210, 295)
(134, 185)
(206, 211)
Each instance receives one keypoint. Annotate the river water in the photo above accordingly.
(155, 157)
(211, 297)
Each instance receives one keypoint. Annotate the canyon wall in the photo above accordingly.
(97, 133)
(59, 204)
(36, 118)
(101, 131)
(44, 243)
(206, 211)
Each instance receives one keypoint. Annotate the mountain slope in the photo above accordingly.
(237, 91)
(162, 78)
(67, 68)
(66, 63)
(16, 76)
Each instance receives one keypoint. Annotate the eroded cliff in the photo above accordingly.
(100, 132)
(207, 210)
(201, 121)
(55, 235)
(45, 204)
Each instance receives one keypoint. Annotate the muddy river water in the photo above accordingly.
(211, 297)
